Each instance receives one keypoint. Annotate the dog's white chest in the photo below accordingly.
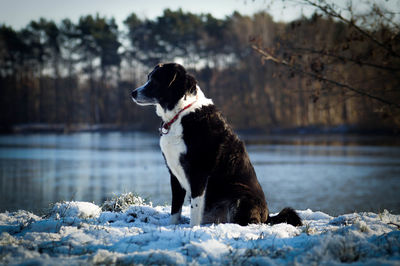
(173, 146)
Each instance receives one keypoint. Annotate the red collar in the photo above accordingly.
(166, 126)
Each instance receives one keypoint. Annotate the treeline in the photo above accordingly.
(81, 73)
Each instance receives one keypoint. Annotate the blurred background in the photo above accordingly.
(311, 86)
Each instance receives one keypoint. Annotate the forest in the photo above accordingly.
(316, 73)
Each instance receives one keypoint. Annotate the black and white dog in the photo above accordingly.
(204, 156)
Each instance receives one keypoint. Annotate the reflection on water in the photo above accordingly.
(332, 174)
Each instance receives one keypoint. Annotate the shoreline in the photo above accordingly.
(301, 130)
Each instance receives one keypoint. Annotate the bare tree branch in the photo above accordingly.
(359, 62)
(268, 56)
(328, 10)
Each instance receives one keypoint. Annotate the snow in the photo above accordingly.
(75, 233)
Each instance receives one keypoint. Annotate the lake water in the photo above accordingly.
(333, 174)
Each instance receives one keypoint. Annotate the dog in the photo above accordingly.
(205, 158)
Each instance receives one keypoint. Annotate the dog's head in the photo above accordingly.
(166, 85)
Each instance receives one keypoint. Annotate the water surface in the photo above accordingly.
(333, 174)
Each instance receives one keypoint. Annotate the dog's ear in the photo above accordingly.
(177, 74)
(190, 84)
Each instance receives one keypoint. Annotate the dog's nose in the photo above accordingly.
(134, 94)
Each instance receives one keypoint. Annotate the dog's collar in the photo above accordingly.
(165, 126)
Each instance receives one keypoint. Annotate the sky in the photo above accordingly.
(18, 13)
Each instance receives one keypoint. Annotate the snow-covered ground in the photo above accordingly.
(136, 232)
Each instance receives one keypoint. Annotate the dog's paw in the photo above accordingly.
(174, 219)
(185, 220)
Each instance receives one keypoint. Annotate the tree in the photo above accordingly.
(38, 50)
(52, 49)
(98, 39)
(12, 54)
(145, 46)
(342, 41)
(72, 72)
(69, 43)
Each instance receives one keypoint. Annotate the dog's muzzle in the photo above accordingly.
(141, 99)
(134, 94)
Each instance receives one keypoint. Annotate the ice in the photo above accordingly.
(76, 233)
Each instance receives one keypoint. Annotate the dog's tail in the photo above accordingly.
(287, 215)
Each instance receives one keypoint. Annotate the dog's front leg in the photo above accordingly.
(196, 210)
(178, 197)
(197, 201)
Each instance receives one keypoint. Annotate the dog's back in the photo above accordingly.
(233, 193)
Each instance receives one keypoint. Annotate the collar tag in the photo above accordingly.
(164, 129)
